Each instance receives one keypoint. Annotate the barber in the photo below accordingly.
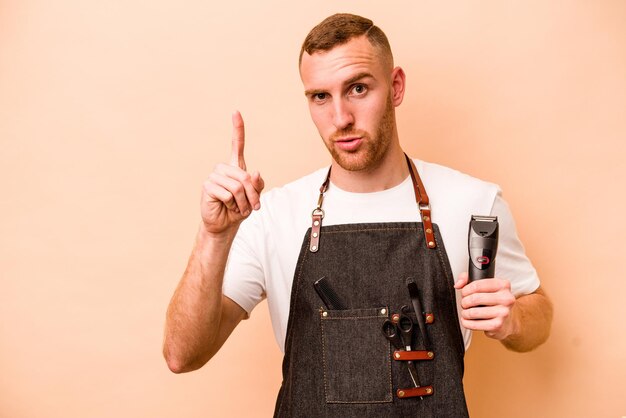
(369, 223)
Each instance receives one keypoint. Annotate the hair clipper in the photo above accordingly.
(482, 242)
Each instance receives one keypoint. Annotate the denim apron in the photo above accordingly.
(337, 362)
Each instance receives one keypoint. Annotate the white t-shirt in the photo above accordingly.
(263, 257)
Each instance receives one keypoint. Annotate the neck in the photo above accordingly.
(390, 172)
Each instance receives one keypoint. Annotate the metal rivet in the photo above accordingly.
(431, 244)
(395, 317)
(427, 218)
(429, 318)
(401, 394)
(314, 234)
(396, 355)
(429, 231)
(324, 314)
(429, 391)
(431, 354)
(314, 248)
(316, 223)
(383, 311)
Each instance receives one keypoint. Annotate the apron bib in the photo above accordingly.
(338, 362)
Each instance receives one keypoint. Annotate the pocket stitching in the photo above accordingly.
(388, 393)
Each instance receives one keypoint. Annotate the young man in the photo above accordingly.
(360, 231)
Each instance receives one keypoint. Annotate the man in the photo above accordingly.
(363, 239)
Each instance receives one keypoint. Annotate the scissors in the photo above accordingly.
(401, 335)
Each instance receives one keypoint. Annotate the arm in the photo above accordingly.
(532, 316)
(199, 317)
(521, 324)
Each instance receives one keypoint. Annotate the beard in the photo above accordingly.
(372, 150)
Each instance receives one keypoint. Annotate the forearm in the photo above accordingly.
(531, 316)
(194, 314)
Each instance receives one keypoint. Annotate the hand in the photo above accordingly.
(487, 305)
(230, 194)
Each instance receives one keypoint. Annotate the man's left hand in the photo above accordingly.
(487, 305)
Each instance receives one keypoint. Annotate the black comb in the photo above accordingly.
(328, 295)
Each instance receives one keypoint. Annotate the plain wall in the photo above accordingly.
(113, 113)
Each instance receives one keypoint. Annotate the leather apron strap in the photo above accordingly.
(421, 198)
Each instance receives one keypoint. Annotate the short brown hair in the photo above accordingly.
(340, 28)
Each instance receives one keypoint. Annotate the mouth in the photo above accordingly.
(348, 143)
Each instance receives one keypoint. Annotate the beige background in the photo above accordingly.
(113, 113)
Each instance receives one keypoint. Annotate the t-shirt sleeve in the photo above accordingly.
(244, 278)
(511, 262)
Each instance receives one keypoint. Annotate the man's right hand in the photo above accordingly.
(200, 318)
(230, 194)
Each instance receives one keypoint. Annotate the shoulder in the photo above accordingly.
(448, 187)
(454, 197)
(441, 175)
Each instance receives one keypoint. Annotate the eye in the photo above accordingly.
(319, 97)
(358, 89)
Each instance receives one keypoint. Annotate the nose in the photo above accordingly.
(343, 117)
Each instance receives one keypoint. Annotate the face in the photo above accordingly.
(352, 91)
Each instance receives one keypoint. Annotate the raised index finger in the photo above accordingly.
(238, 142)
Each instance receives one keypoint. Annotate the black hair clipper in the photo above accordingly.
(482, 242)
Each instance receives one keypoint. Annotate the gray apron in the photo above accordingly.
(338, 363)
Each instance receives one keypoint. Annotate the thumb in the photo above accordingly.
(461, 281)
(257, 181)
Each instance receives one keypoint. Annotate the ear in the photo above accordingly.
(398, 83)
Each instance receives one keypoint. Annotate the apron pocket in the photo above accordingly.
(356, 357)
